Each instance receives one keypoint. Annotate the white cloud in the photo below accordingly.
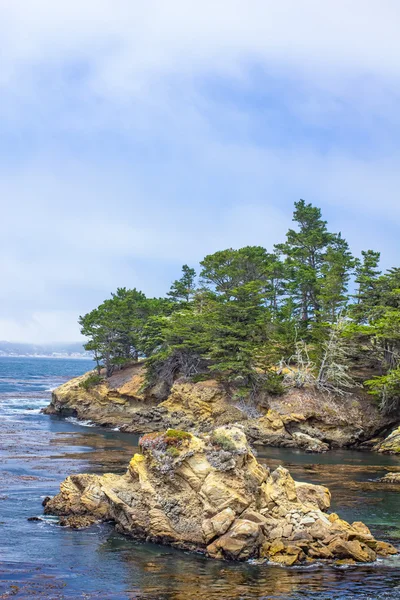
(137, 136)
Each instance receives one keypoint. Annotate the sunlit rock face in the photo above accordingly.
(391, 478)
(208, 493)
(307, 419)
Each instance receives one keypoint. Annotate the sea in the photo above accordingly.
(40, 559)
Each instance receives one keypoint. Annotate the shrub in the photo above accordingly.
(91, 381)
(222, 441)
(387, 389)
(164, 441)
(176, 435)
(273, 384)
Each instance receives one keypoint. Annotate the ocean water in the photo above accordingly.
(40, 559)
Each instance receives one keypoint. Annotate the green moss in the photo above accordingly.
(173, 451)
(177, 434)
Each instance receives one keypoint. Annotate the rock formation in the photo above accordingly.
(304, 419)
(390, 478)
(390, 445)
(209, 494)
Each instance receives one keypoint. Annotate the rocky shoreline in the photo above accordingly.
(209, 494)
(304, 419)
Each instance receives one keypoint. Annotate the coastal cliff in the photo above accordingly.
(302, 418)
(209, 494)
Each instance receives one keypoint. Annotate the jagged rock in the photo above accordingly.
(242, 541)
(113, 401)
(317, 495)
(384, 549)
(309, 443)
(77, 521)
(354, 549)
(391, 445)
(219, 524)
(176, 492)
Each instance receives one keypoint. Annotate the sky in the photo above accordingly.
(139, 136)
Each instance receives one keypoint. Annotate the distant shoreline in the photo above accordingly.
(46, 356)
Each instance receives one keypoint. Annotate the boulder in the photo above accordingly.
(318, 496)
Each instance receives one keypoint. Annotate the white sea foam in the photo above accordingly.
(81, 422)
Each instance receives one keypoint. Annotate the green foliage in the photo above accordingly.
(366, 279)
(177, 435)
(115, 328)
(182, 290)
(317, 267)
(273, 384)
(387, 389)
(222, 441)
(91, 381)
(173, 451)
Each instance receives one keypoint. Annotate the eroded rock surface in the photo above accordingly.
(302, 419)
(210, 494)
(114, 401)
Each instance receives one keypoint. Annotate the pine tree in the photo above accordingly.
(304, 252)
(182, 289)
(366, 277)
(335, 274)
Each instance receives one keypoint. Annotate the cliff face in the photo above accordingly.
(113, 402)
(210, 494)
(303, 419)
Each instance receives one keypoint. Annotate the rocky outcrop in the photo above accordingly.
(390, 445)
(112, 402)
(304, 419)
(209, 494)
(390, 478)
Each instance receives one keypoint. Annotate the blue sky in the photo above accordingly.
(135, 137)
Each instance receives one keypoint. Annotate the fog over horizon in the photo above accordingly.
(136, 138)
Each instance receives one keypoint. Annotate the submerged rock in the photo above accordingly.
(208, 493)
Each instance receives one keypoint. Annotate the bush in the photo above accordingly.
(91, 381)
(164, 441)
(222, 441)
(387, 389)
(176, 435)
(273, 384)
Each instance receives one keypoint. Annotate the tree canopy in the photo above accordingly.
(254, 315)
